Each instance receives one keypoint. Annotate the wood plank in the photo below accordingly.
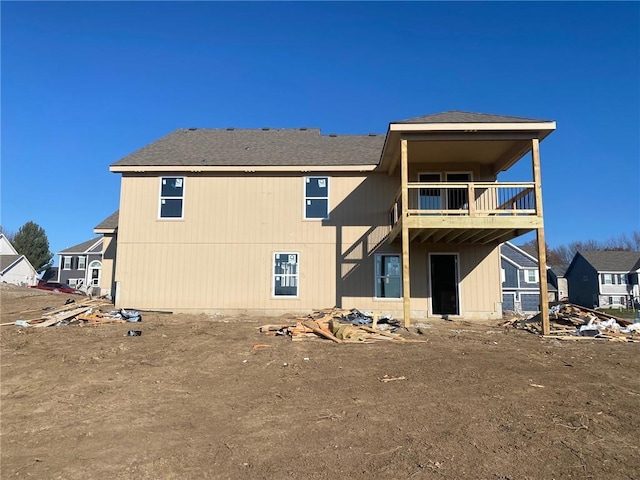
(310, 324)
(404, 180)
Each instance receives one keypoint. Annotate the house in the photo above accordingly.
(15, 268)
(521, 280)
(108, 229)
(604, 278)
(557, 278)
(81, 265)
(280, 220)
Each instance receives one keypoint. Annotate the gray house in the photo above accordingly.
(557, 278)
(521, 280)
(81, 265)
(600, 279)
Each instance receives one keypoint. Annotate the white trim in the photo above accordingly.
(182, 198)
(375, 275)
(465, 127)
(245, 169)
(305, 198)
(273, 274)
(458, 282)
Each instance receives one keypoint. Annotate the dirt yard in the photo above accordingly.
(192, 399)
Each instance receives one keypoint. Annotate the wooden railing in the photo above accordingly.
(487, 198)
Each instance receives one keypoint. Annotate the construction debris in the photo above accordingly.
(81, 313)
(339, 326)
(574, 322)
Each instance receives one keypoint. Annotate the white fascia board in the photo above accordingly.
(464, 127)
(245, 169)
(103, 231)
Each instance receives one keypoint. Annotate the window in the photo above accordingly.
(607, 279)
(82, 262)
(171, 197)
(316, 197)
(285, 274)
(531, 276)
(388, 276)
(620, 278)
(66, 263)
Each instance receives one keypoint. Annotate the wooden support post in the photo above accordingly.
(472, 200)
(542, 254)
(404, 185)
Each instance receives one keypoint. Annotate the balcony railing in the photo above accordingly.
(487, 199)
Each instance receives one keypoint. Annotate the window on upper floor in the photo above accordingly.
(388, 276)
(171, 197)
(531, 276)
(66, 263)
(285, 274)
(316, 198)
(607, 279)
(82, 262)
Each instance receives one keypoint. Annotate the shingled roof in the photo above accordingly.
(111, 222)
(82, 247)
(7, 260)
(455, 116)
(257, 147)
(612, 261)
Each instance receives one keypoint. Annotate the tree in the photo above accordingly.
(31, 241)
(10, 235)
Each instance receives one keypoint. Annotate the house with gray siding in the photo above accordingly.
(601, 279)
(81, 265)
(557, 278)
(520, 280)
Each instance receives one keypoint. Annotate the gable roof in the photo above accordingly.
(559, 270)
(7, 260)
(517, 256)
(109, 223)
(612, 261)
(256, 147)
(84, 247)
(6, 248)
(456, 116)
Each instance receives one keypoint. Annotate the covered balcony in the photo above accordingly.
(443, 212)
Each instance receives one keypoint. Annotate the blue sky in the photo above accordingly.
(86, 83)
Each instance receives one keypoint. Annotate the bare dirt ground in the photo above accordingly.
(192, 399)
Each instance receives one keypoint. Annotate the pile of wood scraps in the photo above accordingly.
(337, 325)
(573, 322)
(85, 312)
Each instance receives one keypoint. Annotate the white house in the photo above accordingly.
(15, 268)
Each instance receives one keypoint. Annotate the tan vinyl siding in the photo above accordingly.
(219, 257)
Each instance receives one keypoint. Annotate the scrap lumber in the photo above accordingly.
(310, 324)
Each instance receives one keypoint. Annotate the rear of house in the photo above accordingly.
(281, 220)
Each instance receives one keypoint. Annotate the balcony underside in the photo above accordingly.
(464, 229)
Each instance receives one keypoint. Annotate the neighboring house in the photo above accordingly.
(15, 268)
(81, 265)
(281, 220)
(108, 228)
(557, 278)
(521, 280)
(599, 279)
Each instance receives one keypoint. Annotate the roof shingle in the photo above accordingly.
(456, 116)
(612, 261)
(257, 147)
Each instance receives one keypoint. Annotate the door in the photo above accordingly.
(430, 198)
(530, 302)
(444, 283)
(458, 198)
(508, 302)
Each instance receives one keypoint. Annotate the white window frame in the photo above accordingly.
(527, 276)
(82, 262)
(66, 258)
(274, 275)
(605, 277)
(161, 198)
(377, 258)
(308, 199)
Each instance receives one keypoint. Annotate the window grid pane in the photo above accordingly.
(171, 197)
(388, 281)
(285, 272)
(316, 198)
